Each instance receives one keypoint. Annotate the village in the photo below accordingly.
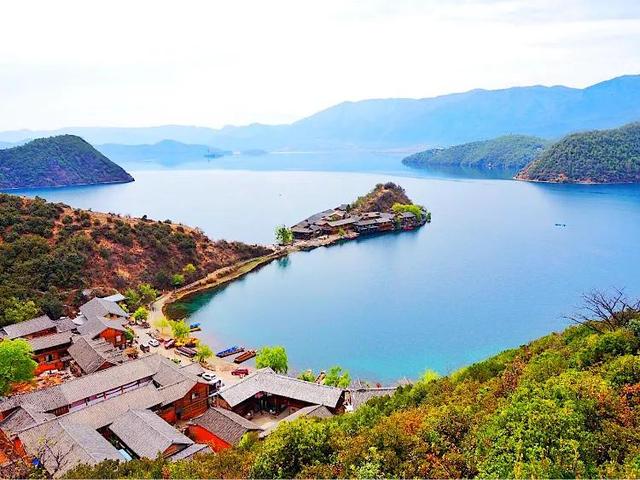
(102, 395)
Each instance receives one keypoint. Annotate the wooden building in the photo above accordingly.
(51, 351)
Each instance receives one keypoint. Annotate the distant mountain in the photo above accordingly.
(548, 112)
(509, 151)
(168, 150)
(600, 156)
(57, 161)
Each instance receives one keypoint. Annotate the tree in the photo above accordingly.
(52, 305)
(307, 376)
(337, 377)
(429, 376)
(141, 314)
(179, 329)
(16, 364)
(203, 352)
(129, 335)
(273, 357)
(177, 280)
(162, 324)
(189, 270)
(148, 294)
(18, 311)
(132, 298)
(284, 235)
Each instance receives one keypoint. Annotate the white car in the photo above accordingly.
(154, 343)
(211, 379)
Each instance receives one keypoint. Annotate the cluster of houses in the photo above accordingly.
(340, 219)
(119, 408)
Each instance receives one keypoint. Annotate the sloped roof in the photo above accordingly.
(360, 396)
(90, 354)
(146, 434)
(94, 326)
(266, 380)
(190, 451)
(67, 445)
(28, 327)
(313, 411)
(100, 307)
(116, 297)
(225, 424)
(24, 417)
(49, 341)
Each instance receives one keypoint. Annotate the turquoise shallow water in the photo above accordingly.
(492, 270)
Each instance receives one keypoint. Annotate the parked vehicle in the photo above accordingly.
(154, 343)
(187, 352)
(240, 372)
(169, 344)
(144, 347)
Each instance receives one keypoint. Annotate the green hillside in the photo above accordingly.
(564, 406)
(599, 156)
(57, 161)
(509, 151)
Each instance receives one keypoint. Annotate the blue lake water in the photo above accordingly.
(491, 271)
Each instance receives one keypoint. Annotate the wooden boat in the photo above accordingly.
(240, 372)
(243, 357)
(194, 325)
(230, 351)
(195, 329)
(187, 352)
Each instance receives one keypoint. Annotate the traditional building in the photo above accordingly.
(264, 390)
(36, 327)
(220, 428)
(93, 355)
(51, 351)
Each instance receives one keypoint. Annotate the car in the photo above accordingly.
(144, 347)
(154, 343)
(212, 380)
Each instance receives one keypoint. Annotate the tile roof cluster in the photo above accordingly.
(91, 354)
(225, 424)
(46, 342)
(267, 381)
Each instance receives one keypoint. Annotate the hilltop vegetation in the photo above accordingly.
(566, 405)
(49, 252)
(510, 151)
(57, 161)
(381, 199)
(600, 156)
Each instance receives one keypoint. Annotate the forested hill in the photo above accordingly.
(509, 151)
(49, 252)
(600, 156)
(57, 161)
(564, 406)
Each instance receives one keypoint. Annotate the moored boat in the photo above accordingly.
(243, 357)
(230, 351)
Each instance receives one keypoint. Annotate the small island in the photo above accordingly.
(385, 209)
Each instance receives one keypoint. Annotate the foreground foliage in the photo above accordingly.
(565, 405)
(16, 364)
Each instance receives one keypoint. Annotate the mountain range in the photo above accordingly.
(548, 112)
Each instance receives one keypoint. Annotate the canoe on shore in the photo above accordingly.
(243, 357)
(230, 351)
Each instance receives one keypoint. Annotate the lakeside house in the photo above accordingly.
(342, 220)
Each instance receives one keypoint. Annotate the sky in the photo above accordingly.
(213, 63)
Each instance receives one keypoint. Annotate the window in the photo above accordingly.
(48, 357)
(194, 395)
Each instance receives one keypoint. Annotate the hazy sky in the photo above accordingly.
(211, 63)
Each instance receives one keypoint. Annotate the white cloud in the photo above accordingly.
(211, 63)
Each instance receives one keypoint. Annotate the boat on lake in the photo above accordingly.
(243, 357)
(230, 351)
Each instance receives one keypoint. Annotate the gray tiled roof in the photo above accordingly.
(312, 411)
(28, 327)
(61, 446)
(190, 451)
(146, 434)
(116, 297)
(49, 341)
(225, 424)
(94, 326)
(266, 380)
(361, 396)
(65, 324)
(90, 355)
(24, 417)
(100, 307)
